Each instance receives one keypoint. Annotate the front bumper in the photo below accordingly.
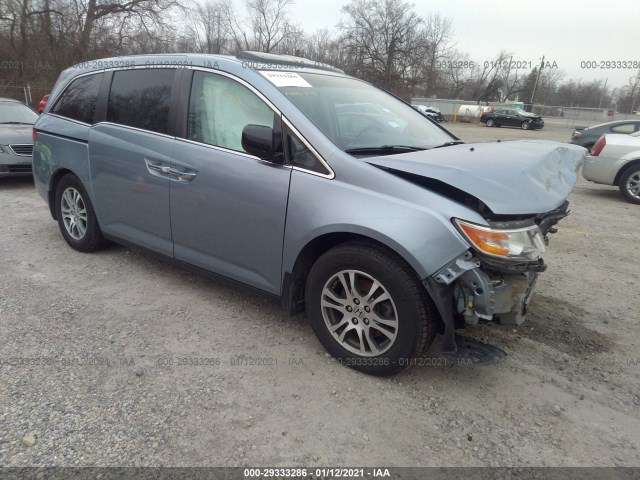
(11, 170)
(12, 164)
(482, 291)
(479, 295)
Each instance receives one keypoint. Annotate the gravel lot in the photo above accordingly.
(115, 331)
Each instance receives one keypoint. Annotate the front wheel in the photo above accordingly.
(490, 122)
(369, 309)
(630, 184)
(525, 125)
(76, 217)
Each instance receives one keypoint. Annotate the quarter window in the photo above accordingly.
(301, 156)
(624, 128)
(141, 98)
(219, 108)
(78, 101)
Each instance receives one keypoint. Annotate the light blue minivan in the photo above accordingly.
(293, 178)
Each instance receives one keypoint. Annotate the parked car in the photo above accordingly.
(43, 103)
(431, 112)
(587, 136)
(16, 141)
(615, 160)
(384, 236)
(511, 117)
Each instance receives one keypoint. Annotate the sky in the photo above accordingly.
(567, 32)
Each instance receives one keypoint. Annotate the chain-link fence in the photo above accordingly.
(27, 93)
(570, 116)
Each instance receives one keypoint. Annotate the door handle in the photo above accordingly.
(184, 176)
(157, 167)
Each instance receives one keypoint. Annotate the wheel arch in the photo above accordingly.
(294, 281)
(623, 168)
(53, 185)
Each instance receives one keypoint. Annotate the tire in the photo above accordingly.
(491, 122)
(359, 342)
(76, 218)
(629, 184)
(525, 125)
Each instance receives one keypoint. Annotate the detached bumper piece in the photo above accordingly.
(470, 351)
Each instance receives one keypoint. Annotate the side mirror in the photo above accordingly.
(262, 141)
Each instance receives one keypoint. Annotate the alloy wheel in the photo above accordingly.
(74, 213)
(359, 313)
(633, 185)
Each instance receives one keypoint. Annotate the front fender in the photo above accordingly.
(424, 237)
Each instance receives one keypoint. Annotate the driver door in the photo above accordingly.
(228, 207)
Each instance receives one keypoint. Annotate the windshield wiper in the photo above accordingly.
(385, 149)
(15, 123)
(448, 144)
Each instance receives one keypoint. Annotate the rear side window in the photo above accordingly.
(624, 128)
(141, 98)
(78, 101)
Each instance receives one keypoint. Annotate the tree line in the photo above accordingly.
(382, 41)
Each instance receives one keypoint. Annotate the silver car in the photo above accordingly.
(16, 143)
(615, 160)
(385, 228)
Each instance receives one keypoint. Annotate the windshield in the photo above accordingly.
(356, 115)
(16, 113)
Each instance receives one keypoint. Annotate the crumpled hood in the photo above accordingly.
(16, 134)
(511, 178)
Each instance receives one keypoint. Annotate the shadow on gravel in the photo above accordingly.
(560, 324)
(611, 194)
(16, 183)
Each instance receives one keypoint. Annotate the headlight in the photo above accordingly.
(517, 244)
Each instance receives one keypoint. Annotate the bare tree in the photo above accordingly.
(206, 27)
(437, 35)
(378, 33)
(270, 23)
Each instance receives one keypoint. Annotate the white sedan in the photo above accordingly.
(615, 160)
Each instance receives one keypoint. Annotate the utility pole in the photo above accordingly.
(506, 79)
(604, 89)
(535, 85)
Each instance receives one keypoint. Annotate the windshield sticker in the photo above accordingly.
(286, 79)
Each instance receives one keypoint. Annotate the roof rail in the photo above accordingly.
(273, 59)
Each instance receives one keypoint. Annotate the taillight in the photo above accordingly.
(575, 135)
(33, 135)
(597, 148)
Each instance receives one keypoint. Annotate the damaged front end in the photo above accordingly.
(494, 279)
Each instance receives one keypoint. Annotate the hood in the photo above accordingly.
(15, 134)
(510, 178)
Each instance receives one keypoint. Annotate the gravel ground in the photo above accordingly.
(116, 334)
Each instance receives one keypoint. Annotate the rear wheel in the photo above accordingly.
(76, 217)
(491, 122)
(369, 309)
(629, 184)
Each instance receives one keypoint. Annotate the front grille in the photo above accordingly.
(22, 150)
(26, 168)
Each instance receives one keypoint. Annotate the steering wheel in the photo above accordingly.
(369, 129)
